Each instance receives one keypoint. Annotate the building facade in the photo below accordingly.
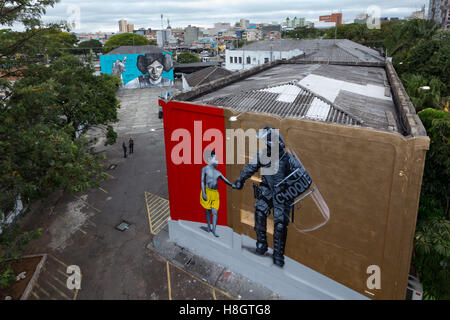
(191, 34)
(123, 26)
(356, 133)
(259, 53)
(334, 17)
(438, 10)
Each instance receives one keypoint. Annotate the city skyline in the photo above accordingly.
(95, 16)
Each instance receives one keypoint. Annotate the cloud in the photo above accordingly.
(104, 14)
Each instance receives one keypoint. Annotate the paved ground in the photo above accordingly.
(131, 264)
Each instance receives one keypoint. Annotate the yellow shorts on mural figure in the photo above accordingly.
(213, 199)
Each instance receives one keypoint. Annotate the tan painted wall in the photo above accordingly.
(371, 182)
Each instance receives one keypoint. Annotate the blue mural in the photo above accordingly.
(140, 70)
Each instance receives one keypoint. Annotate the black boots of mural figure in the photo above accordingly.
(279, 243)
(260, 229)
(279, 238)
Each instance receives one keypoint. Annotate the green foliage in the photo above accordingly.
(421, 98)
(187, 57)
(430, 59)
(12, 245)
(125, 39)
(432, 256)
(74, 94)
(27, 12)
(432, 245)
(91, 45)
(405, 35)
(304, 33)
(111, 136)
(435, 196)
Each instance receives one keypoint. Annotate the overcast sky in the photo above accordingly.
(103, 15)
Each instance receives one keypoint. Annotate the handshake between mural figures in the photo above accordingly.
(279, 192)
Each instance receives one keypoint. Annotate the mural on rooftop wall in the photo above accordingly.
(140, 70)
(284, 183)
(280, 190)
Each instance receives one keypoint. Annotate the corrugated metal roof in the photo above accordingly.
(341, 50)
(206, 75)
(287, 100)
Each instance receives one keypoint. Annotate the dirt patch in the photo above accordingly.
(27, 265)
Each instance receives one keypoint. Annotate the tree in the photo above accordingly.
(304, 33)
(187, 57)
(429, 58)
(406, 35)
(125, 39)
(82, 98)
(86, 46)
(432, 246)
(420, 98)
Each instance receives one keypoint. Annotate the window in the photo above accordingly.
(249, 61)
(240, 60)
(235, 59)
(231, 59)
(266, 60)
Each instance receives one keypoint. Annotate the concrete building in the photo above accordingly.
(354, 129)
(420, 14)
(445, 14)
(260, 52)
(191, 34)
(266, 51)
(130, 28)
(244, 24)
(254, 34)
(123, 26)
(361, 18)
(334, 17)
(438, 10)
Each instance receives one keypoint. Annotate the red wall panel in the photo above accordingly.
(185, 179)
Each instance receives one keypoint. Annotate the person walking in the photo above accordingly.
(131, 145)
(124, 147)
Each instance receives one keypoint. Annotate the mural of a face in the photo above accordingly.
(155, 70)
(154, 64)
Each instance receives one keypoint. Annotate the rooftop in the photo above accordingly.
(320, 50)
(349, 95)
(206, 75)
(361, 94)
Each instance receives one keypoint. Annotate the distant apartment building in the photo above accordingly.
(295, 23)
(361, 18)
(254, 34)
(123, 26)
(244, 24)
(334, 17)
(445, 14)
(165, 38)
(130, 28)
(420, 14)
(191, 34)
(438, 10)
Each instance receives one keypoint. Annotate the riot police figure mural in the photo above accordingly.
(277, 191)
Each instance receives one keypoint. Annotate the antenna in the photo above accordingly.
(162, 23)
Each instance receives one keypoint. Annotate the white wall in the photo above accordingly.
(256, 58)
